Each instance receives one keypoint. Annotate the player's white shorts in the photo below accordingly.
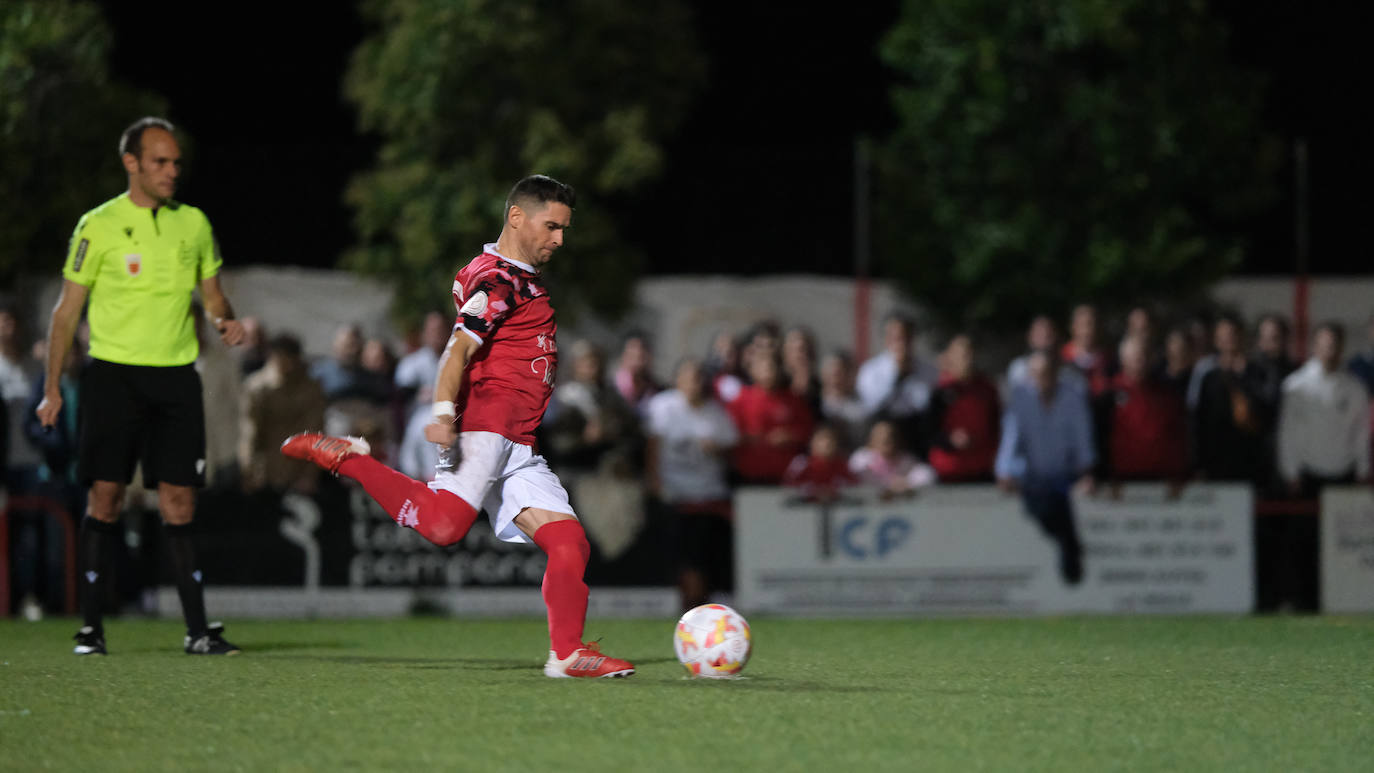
(503, 477)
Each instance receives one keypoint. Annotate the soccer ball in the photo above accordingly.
(712, 641)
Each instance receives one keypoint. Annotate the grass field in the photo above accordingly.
(1058, 694)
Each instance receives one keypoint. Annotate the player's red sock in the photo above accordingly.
(439, 516)
(565, 594)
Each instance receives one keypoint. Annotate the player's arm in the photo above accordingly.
(65, 316)
(452, 364)
(219, 312)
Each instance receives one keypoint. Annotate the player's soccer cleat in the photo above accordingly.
(89, 642)
(326, 451)
(211, 642)
(587, 661)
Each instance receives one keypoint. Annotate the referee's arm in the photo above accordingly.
(219, 312)
(65, 316)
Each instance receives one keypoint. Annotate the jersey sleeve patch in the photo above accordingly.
(79, 256)
(476, 306)
(491, 301)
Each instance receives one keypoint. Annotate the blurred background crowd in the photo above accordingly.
(1139, 397)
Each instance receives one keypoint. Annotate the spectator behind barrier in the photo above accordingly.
(821, 473)
(895, 384)
(1084, 352)
(964, 420)
(589, 427)
(418, 370)
(1230, 434)
(1175, 370)
(1323, 435)
(634, 373)
(774, 424)
(723, 367)
(1147, 425)
(1362, 364)
(885, 463)
(840, 403)
(799, 366)
(279, 400)
(1043, 336)
(690, 436)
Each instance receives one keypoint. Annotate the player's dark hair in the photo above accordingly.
(540, 189)
(131, 141)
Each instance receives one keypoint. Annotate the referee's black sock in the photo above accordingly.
(188, 579)
(98, 543)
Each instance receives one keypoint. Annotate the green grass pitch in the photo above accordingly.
(1284, 693)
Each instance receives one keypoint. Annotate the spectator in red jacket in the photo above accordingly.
(1148, 424)
(964, 419)
(1083, 352)
(774, 424)
(821, 473)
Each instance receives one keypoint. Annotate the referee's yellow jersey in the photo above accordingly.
(140, 266)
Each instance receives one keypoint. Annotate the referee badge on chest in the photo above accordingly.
(133, 264)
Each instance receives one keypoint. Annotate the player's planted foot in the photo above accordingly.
(587, 661)
(89, 641)
(212, 642)
(326, 451)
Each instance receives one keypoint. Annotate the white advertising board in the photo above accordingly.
(973, 550)
(1347, 549)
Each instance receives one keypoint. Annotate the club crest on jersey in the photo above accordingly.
(475, 305)
(133, 264)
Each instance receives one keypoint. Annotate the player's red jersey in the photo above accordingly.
(503, 304)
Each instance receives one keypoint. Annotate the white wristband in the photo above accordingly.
(444, 408)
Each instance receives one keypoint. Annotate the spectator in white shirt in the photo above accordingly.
(417, 371)
(895, 384)
(1324, 419)
(690, 435)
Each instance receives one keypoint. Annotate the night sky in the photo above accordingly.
(764, 160)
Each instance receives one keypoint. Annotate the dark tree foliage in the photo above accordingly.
(467, 96)
(1053, 151)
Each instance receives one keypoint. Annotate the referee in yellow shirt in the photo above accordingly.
(138, 257)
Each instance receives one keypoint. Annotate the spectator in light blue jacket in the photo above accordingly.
(1046, 450)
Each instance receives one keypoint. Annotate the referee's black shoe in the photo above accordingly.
(211, 642)
(89, 641)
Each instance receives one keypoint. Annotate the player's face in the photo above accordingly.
(156, 169)
(540, 231)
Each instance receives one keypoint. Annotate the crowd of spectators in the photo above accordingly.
(1193, 401)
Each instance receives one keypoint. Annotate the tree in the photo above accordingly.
(470, 95)
(60, 119)
(1055, 151)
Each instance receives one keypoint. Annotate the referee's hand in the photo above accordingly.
(48, 409)
(230, 331)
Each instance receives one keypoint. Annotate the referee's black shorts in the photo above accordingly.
(137, 413)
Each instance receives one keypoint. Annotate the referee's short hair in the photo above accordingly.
(131, 141)
(540, 189)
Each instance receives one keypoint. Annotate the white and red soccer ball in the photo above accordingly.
(712, 641)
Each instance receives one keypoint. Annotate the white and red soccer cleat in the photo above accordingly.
(326, 451)
(587, 662)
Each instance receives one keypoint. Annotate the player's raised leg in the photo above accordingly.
(561, 538)
(439, 516)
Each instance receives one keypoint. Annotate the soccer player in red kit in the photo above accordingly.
(503, 343)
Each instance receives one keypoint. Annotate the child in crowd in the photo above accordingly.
(885, 464)
(822, 472)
